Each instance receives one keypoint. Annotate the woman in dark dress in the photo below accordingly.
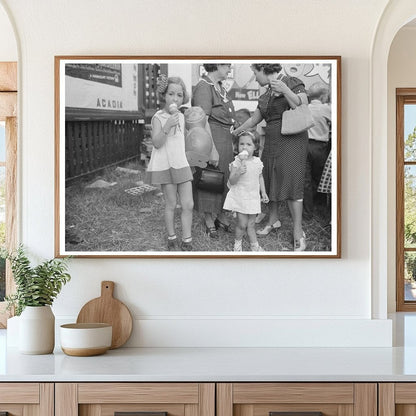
(212, 97)
(284, 156)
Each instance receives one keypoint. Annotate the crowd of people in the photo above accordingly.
(287, 168)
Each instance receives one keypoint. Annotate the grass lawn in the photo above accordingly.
(112, 220)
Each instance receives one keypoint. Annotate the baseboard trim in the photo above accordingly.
(261, 333)
(189, 332)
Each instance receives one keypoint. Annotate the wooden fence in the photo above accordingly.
(95, 144)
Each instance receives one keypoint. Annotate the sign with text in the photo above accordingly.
(101, 86)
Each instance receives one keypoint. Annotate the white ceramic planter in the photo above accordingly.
(12, 334)
(37, 330)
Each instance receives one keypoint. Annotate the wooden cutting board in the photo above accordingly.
(108, 310)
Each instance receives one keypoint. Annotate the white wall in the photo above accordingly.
(212, 301)
(8, 42)
(401, 74)
(8, 46)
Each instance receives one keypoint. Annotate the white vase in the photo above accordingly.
(12, 334)
(37, 330)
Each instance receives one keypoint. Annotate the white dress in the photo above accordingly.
(244, 196)
(168, 164)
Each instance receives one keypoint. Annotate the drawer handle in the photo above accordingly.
(139, 414)
(295, 413)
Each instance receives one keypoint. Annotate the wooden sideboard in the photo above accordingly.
(208, 399)
(27, 399)
(173, 399)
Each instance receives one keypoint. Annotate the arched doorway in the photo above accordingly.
(396, 15)
(401, 101)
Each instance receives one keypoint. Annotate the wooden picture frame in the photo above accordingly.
(104, 107)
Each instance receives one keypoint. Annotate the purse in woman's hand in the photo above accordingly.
(209, 179)
(297, 120)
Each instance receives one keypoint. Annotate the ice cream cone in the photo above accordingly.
(173, 108)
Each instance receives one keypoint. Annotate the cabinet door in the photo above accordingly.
(397, 399)
(297, 399)
(143, 399)
(26, 399)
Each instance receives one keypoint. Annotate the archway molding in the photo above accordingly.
(396, 14)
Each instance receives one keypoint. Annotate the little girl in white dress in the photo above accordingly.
(168, 166)
(247, 190)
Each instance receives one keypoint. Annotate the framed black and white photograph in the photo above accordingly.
(198, 156)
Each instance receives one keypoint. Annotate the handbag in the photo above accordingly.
(209, 179)
(297, 120)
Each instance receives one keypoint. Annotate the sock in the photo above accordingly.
(172, 237)
(187, 239)
(238, 245)
(256, 247)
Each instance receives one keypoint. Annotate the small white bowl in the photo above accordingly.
(83, 340)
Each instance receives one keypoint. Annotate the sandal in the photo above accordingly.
(211, 232)
(220, 224)
(172, 244)
(268, 229)
(186, 245)
(300, 245)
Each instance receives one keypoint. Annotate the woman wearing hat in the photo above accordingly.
(284, 156)
(212, 97)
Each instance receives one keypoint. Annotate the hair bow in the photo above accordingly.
(162, 83)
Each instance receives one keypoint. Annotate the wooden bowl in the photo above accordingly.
(84, 340)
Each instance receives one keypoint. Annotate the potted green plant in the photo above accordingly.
(36, 289)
